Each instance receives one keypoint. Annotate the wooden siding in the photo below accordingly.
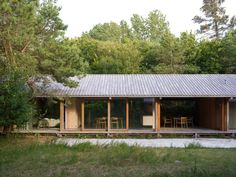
(212, 113)
(72, 114)
(224, 114)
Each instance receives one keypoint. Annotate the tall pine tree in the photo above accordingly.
(215, 22)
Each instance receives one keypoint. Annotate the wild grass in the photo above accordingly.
(37, 156)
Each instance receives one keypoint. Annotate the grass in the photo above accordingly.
(37, 156)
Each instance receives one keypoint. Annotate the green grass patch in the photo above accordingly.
(38, 156)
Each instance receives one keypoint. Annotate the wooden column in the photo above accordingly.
(223, 114)
(158, 114)
(109, 115)
(227, 114)
(62, 112)
(127, 113)
(82, 114)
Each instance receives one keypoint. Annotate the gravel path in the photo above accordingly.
(179, 143)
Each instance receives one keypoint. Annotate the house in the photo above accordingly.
(147, 102)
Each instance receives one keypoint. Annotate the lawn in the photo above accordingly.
(39, 157)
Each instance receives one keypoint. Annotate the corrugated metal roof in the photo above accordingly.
(148, 85)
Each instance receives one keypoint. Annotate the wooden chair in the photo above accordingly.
(101, 122)
(182, 121)
(114, 122)
(190, 121)
(167, 121)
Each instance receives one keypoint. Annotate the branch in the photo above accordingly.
(25, 47)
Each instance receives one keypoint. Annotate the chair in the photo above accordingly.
(101, 122)
(190, 121)
(167, 121)
(115, 122)
(182, 121)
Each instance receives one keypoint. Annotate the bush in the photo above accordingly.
(15, 105)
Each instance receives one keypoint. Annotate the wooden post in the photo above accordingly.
(158, 114)
(227, 114)
(82, 114)
(62, 112)
(223, 115)
(127, 113)
(109, 115)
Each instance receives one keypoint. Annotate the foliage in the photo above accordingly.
(208, 56)
(108, 32)
(215, 22)
(65, 62)
(152, 28)
(228, 52)
(32, 40)
(113, 160)
(116, 58)
(15, 105)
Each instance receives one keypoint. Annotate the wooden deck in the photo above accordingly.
(179, 131)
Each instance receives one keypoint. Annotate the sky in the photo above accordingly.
(82, 15)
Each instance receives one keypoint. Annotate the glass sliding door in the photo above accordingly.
(141, 113)
(118, 113)
(95, 113)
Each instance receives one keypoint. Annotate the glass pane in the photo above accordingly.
(95, 111)
(141, 113)
(118, 113)
(173, 110)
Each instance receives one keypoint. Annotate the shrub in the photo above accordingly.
(15, 105)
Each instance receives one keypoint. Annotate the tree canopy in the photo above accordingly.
(215, 22)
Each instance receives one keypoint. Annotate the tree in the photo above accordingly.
(106, 32)
(115, 58)
(189, 48)
(16, 107)
(171, 59)
(215, 22)
(171, 55)
(32, 43)
(139, 28)
(208, 57)
(110, 32)
(152, 28)
(32, 39)
(62, 59)
(228, 53)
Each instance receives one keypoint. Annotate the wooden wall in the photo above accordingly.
(212, 113)
(73, 115)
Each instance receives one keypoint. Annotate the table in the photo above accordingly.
(183, 121)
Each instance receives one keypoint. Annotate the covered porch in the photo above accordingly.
(122, 115)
